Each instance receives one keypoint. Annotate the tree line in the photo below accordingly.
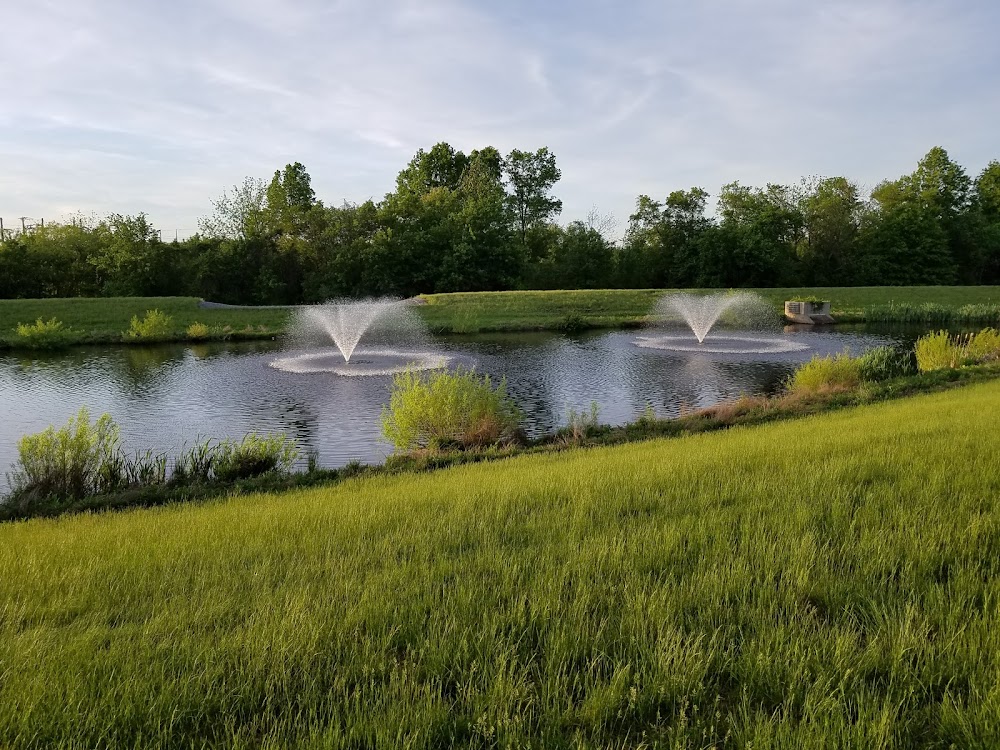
(483, 221)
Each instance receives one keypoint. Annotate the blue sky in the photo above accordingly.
(133, 105)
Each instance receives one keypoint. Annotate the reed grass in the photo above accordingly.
(825, 582)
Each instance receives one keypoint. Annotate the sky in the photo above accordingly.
(134, 106)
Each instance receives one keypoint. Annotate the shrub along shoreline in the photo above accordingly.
(53, 323)
(582, 432)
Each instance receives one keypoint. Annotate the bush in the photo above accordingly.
(939, 351)
(983, 346)
(820, 374)
(197, 331)
(253, 456)
(70, 463)
(885, 363)
(156, 325)
(448, 409)
(42, 335)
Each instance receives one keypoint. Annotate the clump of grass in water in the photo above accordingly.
(83, 459)
(43, 334)
(886, 362)
(824, 374)
(941, 351)
(443, 409)
(155, 325)
(197, 331)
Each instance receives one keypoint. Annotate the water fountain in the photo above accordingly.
(701, 313)
(388, 322)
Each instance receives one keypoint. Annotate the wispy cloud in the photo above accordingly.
(119, 106)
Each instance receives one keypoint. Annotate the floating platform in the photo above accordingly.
(809, 313)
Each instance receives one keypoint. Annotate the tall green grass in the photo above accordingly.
(829, 373)
(102, 320)
(448, 409)
(940, 350)
(828, 582)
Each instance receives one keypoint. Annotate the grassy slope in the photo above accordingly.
(104, 319)
(469, 312)
(831, 581)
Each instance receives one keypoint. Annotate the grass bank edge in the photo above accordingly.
(747, 411)
(569, 310)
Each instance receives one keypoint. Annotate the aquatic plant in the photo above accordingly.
(830, 373)
(155, 325)
(43, 334)
(448, 409)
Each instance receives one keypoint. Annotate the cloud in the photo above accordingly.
(121, 106)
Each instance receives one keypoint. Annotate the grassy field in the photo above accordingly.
(104, 319)
(828, 582)
(496, 311)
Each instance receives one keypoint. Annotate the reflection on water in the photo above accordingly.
(167, 396)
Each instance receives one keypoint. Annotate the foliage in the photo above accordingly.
(43, 334)
(483, 222)
(886, 362)
(904, 312)
(197, 331)
(939, 351)
(582, 424)
(253, 456)
(445, 409)
(68, 463)
(155, 325)
(713, 591)
(830, 373)
(978, 314)
(983, 346)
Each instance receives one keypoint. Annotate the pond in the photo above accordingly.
(165, 397)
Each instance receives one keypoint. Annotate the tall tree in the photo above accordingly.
(763, 227)
(987, 221)
(831, 210)
(240, 213)
(441, 167)
(918, 232)
(531, 176)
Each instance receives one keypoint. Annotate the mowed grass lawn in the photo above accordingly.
(477, 311)
(827, 582)
(105, 319)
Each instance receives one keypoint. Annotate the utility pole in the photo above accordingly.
(23, 227)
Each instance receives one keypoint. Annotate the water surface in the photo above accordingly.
(165, 397)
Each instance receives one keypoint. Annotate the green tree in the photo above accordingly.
(530, 177)
(762, 228)
(239, 214)
(986, 223)
(918, 231)
(831, 209)
(662, 239)
(129, 259)
(441, 167)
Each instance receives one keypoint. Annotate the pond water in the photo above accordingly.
(165, 397)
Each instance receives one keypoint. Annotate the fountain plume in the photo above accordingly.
(702, 312)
